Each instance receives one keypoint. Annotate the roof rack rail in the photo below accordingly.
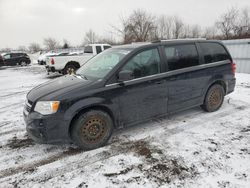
(168, 40)
(134, 43)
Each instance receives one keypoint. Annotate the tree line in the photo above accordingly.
(142, 26)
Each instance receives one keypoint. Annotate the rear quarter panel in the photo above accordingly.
(220, 73)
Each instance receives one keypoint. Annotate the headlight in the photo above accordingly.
(47, 107)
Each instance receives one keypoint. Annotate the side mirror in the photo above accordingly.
(125, 75)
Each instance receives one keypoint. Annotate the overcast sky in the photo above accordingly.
(26, 21)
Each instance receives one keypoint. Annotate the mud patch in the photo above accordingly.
(82, 185)
(241, 107)
(142, 149)
(246, 129)
(168, 171)
(72, 151)
(157, 167)
(16, 143)
(122, 172)
(245, 85)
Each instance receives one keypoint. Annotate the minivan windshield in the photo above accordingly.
(100, 65)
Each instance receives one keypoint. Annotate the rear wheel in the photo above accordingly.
(214, 98)
(69, 69)
(92, 129)
(23, 63)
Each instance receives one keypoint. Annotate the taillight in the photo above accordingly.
(233, 67)
(52, 61)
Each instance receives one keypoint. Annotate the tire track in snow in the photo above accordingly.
(4, 123)
(13, 94)
(10, 131)
(90, 158)
(12, 106)
(28, 167)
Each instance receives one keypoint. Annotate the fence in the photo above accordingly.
(240, 51)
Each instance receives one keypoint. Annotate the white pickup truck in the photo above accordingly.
(67, 64)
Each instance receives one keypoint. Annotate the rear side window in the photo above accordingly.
(181, 56)
(98, 49)
(106, 47)
(14, 55)
(88, 49)
(213, 52)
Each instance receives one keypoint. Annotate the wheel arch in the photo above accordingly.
(217, 81)
(75, 63)
(23, 60)
(88, 108)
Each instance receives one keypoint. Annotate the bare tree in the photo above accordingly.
(90, 37)
(185, 31)
(165, 27)
(6, 49)
(141, 25)
(226, 23)
(108, 39)
(195, 31)
(34, 47)
(242, 26)
(138, 27)
(65, 44)
(178, 27)
(245, 20)
(22, 48)
(210, 32)
(123, 31)
(50, 43)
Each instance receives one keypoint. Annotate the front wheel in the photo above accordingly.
(69, 69)
(214, 98)
(92, 129)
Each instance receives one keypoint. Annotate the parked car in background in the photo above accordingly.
(125, 85)
(16, 58)
(72, 61)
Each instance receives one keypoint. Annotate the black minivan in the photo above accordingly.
(128, 84)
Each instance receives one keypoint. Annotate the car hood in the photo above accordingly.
(53, 89)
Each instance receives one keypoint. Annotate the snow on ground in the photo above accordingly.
(188, 149)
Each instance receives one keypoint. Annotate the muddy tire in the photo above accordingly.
(214, 98)
(69, 69)
(92, 129)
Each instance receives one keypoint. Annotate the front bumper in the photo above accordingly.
(46, 129)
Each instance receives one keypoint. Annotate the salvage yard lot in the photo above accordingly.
(188, 149)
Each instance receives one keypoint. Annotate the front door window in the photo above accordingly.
(145, 63)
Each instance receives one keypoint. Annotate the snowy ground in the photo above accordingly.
(188, 149)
